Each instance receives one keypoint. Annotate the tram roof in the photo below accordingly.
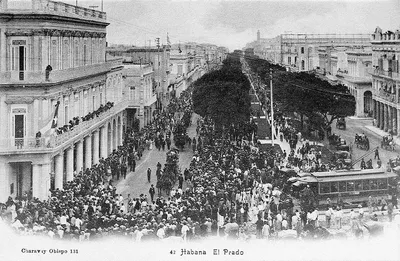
(357, 177)
(354, 172)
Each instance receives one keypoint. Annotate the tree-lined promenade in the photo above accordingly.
(304, 94)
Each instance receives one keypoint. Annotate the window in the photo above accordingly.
(350, 186)
(302, 49)
(382, 184)
(358, 185)
(289, 59)
(373, 184)
(342, 186)
(325, 188)
(334, 187)
(365, 184)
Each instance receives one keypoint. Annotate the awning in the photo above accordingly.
(357, 177)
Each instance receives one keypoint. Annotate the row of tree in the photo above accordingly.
(223, 95)
(305, 94)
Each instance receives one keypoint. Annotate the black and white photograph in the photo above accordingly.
(199, 130)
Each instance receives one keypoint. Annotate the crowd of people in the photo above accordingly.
(91, 115)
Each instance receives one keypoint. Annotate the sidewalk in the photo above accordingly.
(382, 133)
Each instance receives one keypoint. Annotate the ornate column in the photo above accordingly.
(37, 188)
(378, 114)
(59, 169)
(70, 163)
(46, 169)
(394, 128)
(382, 116)
(103, 149)
(79, 156)
(88, 151)
(96, 147)
(385, 117)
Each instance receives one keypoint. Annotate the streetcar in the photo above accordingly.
(352, 187)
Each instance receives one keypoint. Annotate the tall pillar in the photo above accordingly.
(385, 117)
(70, 163)
(390, 118)
(96, 147)
(104, 143)
(374, 110)
(378, 114)
(37, 184)
(121, 134)
(45, 172)
(382, 116)
(5, 171)
(394, 121)
(79, 156)
(59, 169)
(88, 151)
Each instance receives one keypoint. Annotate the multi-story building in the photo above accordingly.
(52, 55)
(386, 79)
(139, 80)
(159, 58)
(299, 52)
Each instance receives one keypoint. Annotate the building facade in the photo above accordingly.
(53, 56)
(386, 79)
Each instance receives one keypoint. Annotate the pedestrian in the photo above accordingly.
(148, 174)
(124, 170)
(180, 181)
(362, 165)
(390, 211)
(376, 153)
(152, 191)
(133, 165)
(328, 216)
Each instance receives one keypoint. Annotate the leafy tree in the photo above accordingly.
(306, 94)
(223, 95)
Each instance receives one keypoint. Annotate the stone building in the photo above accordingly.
(54, 53)
(386, 79)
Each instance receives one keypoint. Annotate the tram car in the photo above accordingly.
(352, 187)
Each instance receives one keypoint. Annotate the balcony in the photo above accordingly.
(384, 74)
(54, 8)
(390, 97)
(32, 144)
(39, 77)
(86, 126)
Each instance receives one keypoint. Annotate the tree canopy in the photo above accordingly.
(223, 94)
(305, 93)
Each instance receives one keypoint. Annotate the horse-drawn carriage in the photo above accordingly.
(361, 141)
(388, 143)
(341, 123)
(342, 160)
(339, 143)
(170, 173)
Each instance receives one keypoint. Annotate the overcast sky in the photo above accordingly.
(235, 23)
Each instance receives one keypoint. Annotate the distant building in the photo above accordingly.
(386, 79)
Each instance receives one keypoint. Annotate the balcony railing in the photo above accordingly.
(391, 97)
(85, 126)
(22, 144)
(387, 74)
(53, 7)
(37, 144)
(34, 77)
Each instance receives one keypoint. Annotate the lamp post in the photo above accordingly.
(272, 108)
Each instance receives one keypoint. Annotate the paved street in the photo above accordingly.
(359, 126)
(136, 182)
